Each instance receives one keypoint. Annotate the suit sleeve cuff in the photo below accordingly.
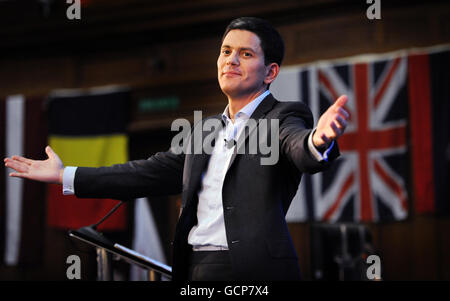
(68, 180)
(315, 152)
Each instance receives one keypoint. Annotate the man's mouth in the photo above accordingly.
(231, 73)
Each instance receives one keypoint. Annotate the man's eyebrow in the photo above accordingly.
(240, 48)
(248, 48)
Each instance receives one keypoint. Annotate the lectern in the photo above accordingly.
(106, 248)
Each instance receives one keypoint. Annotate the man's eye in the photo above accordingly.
(226, 51)
(247, 54)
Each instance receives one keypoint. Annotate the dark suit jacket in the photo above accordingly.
(255, 197)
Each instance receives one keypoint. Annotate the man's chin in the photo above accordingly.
(230, 90)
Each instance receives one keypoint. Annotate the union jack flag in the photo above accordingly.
(369, 181)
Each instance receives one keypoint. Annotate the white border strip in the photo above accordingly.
(15, 123)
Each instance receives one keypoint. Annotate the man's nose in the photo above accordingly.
(233, 59)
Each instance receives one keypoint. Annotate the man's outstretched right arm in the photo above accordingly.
(161, 174)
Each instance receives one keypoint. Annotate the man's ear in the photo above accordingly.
(272, 71)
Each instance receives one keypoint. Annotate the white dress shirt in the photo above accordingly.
(209, 233)
(210, 230)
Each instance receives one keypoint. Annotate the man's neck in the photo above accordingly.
(235, 104)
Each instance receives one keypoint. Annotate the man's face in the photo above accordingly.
(240, 66)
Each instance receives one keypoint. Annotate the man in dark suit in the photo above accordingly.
(232, 225)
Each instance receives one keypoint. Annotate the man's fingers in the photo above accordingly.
(22, 159)
(17, 166)
(325, 139)
(341, 121)
(337, 131)
(20, 175)
(343, 112)
(341, 101)
(17, 175)
(333, 123)
(49, 151)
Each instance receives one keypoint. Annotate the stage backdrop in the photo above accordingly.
(395, 151)
(87, 129)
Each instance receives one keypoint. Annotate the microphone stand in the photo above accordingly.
(94, 226)
(104, 270)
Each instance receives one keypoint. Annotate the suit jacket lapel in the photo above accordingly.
(261, 111)
(199, 161)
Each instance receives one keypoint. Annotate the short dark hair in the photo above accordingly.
(271, 41)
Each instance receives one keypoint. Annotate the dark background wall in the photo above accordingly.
(169, 48)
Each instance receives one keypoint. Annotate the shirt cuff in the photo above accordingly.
(68, 180)
(315, 152)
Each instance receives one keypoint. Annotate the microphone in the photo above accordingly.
(229, 143)
(91, 232)
(94, 226)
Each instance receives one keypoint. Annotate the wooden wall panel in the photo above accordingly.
(33, 77)
(330, 38)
